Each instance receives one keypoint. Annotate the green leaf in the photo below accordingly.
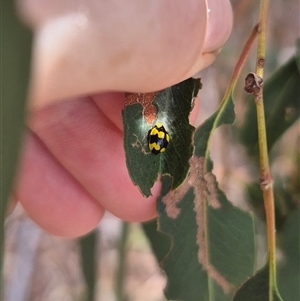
(160, 242)
(212, 250)
(289, 266)
(282, 109)
(257, 288)
(120, 277)
(88, 247)
(173, 106)
(212, 245)
(15, 62)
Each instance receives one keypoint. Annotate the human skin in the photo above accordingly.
(84, 57)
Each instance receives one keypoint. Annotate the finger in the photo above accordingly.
(218, 30)
(141, 46)
(51, 196)
(90, 147)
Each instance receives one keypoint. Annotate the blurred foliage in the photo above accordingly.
(288, 267)
(120, 277)
(88, 247)
(257, 288)
(15, 61)
(160, 242)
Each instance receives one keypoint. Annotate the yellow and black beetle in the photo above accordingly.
(158, 139)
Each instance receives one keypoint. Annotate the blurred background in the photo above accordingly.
(39, 266)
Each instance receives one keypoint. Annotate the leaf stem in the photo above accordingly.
(240, 64)
(231, 85)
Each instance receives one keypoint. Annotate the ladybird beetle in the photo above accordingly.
(158, 139)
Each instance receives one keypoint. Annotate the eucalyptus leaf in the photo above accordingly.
(160, 242)
(212, 250)
(289, 265)
(173, 106)
(212, 243)
(88, 248)
(15, 62)
(257, 288)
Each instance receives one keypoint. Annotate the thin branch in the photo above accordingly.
(254, 85)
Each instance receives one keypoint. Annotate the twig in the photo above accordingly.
(254, 85)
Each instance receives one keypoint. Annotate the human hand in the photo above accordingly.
(73, 164)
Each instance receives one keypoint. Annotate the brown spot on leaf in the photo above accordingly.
(212, 188)
(173, 198)
(206, 193)
(145, 99)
